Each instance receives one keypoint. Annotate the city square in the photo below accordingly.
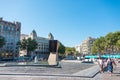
(59, 40)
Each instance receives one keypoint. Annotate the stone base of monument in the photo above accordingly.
(52, 60)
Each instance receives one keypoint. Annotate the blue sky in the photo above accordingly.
(70, 21)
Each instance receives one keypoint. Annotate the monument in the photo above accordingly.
(53, 48)
(35, 59)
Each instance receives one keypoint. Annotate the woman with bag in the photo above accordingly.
(110, 63)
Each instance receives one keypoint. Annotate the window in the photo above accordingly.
(4, 28)
(8, 28)
(0, 27)
(17, 29)
(12, 28)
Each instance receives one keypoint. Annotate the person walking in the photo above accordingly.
(110, 63)
(100, 63)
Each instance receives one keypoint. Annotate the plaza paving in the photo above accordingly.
(69, 71)
(66, 69)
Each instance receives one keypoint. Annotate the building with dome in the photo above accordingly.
(42, 50)
(50, 36)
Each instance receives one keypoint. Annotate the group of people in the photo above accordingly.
(108, 65)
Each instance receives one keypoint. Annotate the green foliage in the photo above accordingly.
(61, 49)
(28, 44)
(2, 41)
(32, 44)
(107, 44)
(118, 46)
(69, 50)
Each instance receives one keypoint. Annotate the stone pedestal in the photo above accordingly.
(52, 60)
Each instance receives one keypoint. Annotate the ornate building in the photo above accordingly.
(11, 32)
(43, 44)
(50, 36)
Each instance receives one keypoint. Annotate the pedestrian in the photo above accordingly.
(100, 63)
(109, 64)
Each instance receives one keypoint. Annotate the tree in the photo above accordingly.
(117, 42)
(28, 45)
(118, 46)
(2, 41)
(69, 50)
(107, 44)
(61, 50)
(98, 46)
(111, 40)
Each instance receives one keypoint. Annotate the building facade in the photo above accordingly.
(85, 46)
(11, 32)
(42, 50)
(78, 48)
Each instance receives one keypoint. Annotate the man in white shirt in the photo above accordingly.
(100, 63)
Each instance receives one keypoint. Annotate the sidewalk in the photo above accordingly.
(88, 73)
